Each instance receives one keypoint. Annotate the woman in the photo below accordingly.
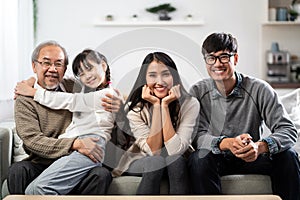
(162, 116)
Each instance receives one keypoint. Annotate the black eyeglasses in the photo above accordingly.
(47, 64)
(223, 58)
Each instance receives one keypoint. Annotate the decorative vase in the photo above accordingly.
(164, 15)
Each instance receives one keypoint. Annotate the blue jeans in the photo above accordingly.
(152, 169)
(64, 174)
(283, 168)
(22, 173)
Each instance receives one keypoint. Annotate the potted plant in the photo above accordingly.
(109, 17)
(293, 14)
(162, 10)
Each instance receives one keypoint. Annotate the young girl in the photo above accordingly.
(162, 116)
(89, 120)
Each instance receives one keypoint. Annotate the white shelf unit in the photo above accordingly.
(281, 23)
(285, 33)
(149, 23)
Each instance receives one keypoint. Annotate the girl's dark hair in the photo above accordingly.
(219, 42)
(135, 96)
(84, 59)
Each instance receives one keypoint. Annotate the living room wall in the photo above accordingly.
(72, 23)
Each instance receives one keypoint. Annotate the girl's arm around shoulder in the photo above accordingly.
(57, 100)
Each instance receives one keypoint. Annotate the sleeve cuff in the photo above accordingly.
(38, 94)
(215, 145)
(272, 145)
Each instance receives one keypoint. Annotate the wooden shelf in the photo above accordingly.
(285, 85)
(149, 23)
(281, 23)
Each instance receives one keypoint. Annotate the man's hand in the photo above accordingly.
(252, 151)
(249, 153)
(234, 144)
(88, 147)
(112, 103)
(243, 147)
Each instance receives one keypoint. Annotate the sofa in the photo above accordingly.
(12, 151)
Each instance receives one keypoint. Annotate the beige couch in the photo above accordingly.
(12, 151)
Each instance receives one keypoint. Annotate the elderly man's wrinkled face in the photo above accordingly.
(50, 67)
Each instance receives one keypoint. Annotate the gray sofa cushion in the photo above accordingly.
(231, 185)
(246, 184)
(124, 185)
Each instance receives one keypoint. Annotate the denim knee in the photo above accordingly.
(289, 157)
(197, 155)
(34, 188)
(154, 163)
(101, 174)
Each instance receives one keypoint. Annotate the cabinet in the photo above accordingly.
(286, 34)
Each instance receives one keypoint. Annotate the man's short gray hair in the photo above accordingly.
(36, 51)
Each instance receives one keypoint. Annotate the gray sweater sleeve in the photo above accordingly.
(203, 138)
(283, 132)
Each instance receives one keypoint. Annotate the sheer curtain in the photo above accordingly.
(16, 43)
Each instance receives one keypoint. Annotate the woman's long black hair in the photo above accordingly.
(135, 96)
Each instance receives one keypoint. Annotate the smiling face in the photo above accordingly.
(93, 75)
(159, 79)
(49, 77)
(222, 72)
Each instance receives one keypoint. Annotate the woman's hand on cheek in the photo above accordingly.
(174, 94)
(147, 94)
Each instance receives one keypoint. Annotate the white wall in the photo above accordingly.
(71, 22)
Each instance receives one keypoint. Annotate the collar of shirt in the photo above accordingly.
(236, 92)
(59, 88)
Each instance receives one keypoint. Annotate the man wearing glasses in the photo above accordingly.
(228, 135)
(39, 127)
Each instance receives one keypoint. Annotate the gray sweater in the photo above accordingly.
(251, 103)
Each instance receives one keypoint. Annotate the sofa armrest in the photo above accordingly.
(6, 139)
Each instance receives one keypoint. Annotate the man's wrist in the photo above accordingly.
(215, 145)
(225, 144)
(272, 145)
(262, 147)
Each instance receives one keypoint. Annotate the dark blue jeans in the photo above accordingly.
(283, 168)
(153, 168)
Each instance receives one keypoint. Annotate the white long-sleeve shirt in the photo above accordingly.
(89, 116)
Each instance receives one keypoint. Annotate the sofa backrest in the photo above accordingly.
(291, 102)
(7, 110)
